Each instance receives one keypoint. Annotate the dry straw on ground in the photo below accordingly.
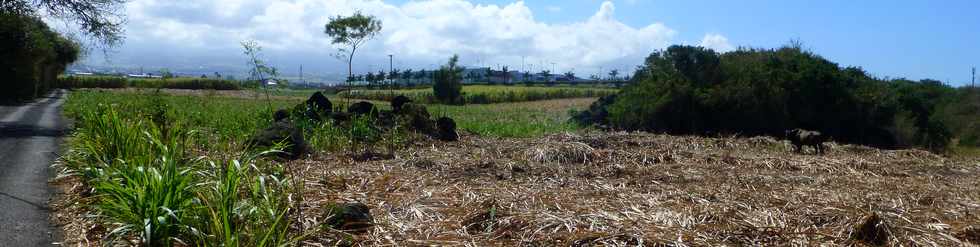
(644, 189)
(632, 189)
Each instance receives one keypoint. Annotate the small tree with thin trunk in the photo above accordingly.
(449, 82)
(351, 31)
(258, 69)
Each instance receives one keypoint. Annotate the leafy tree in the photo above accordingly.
(351, 31)
(421, 75)
(505, 72)
(547, 77)
(380, 78)
(528, 81)
(394, 75)
(695, 90)
(448, 84)
(370, 78)
(100, 19)
(407, 76)
(33, 56)
(258, 69)
(166, 74)
(613, 74)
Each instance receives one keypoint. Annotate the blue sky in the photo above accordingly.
(912, 39)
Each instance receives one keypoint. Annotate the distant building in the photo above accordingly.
(144, 75)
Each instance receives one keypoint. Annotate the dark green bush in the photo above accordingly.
(33, 56)
(694, 90)
(448, 84)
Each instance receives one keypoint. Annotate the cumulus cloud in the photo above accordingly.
(420, 33)
(716, 42)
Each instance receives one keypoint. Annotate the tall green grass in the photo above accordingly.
(482, 94)
(151, 190)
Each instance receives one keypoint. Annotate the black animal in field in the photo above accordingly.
(802, 138)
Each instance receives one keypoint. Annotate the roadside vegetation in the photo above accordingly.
(683, 152)
(150, 187)
(33, 56)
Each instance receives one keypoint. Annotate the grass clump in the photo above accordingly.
(153, 192)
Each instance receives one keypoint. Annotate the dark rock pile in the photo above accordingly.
(350, 217)
(404, 114)
(281, 131)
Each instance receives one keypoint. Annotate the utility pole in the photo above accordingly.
(391, 68)
(600, 73)
(523, 64)
(973, 78)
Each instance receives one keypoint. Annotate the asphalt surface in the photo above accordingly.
(30, 135)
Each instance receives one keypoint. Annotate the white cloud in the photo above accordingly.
(716, 42)
(420, 33)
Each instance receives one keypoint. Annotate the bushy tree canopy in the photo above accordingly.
(33, 56)
(694, 90)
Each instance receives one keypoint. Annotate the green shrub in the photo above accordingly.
(694, 90)
(448, 84)
(33, 56)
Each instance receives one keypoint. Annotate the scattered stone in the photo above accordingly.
(969, 234)
(361, 108)
(417, 118)
(320, 103)
(447, 129)
(340, 117)
(371, 155)
(280, 115)
(316, 108)
(398, 102)
(872, 230)
(422, 163)
(385, 119)
(350, 217)
(282, 130)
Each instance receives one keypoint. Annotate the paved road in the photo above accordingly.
(30, 136)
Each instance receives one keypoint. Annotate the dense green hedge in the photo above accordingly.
(32, 56)
(694, 90)
(121, 82)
